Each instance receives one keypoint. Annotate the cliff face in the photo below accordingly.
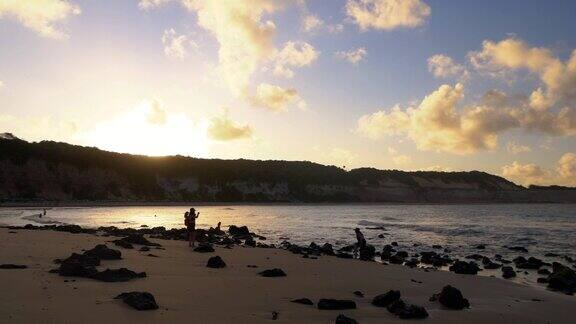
(59, 172)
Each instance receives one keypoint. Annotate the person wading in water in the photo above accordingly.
(190, 222)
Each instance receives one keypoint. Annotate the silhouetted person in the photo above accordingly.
(190, 222)
(360, 238)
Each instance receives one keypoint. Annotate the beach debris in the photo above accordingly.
(216, 262)
(12, 266)
(562, 278)
(452, 298)
(508, 272)
(117, 275)
(139, 300)
(342, 319)
(204, 248)
(407, 311)
(336, 304)
(270, 273)
(384, 300)
(144, 249)
(102, 252)
(359, 293)
(303, 301)
(463, 267)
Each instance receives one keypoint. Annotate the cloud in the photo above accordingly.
(151, 4)
(223, 129)
(515, 148)
(40, 16)
(155, 112)
(174, 44)
(38, 128)
(567, 168)
(352, 56)
(525, 174)
(313, 24)
(564, 173)
(275, 98)
(244, 37)
(442, 66)
(294, 54)
(387, 14)
(558, 78)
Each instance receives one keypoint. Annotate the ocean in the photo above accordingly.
(541, 228)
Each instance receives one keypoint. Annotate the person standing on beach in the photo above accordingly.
(190, 222)
(360, 238)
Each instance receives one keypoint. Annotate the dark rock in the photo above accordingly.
(480, 246)
(380, 235)
(117, 275)
(476, 257)
(562, 278)
(367, 253)
(542, 280)
(336, 304)
(530, 263)
(139, 300)
(102, 252)
(508, 272)
(138, 239)
(79, 265)
(152, 255)
(276, 272)
(341, 319)
(463, 267)
(303, 301)
(343, 255)
(236, 231)
(412, 263)
(436, 246)
(275, 315)
(216, 262)
(394, 243)
(404, 311)
(384, 300)
(327, 249)
(123, 244)
(204, 248)
(452, 298)
(12, 266)
(144, 249)
(359, 293)
(543, 272)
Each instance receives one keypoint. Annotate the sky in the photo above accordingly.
(392, 84)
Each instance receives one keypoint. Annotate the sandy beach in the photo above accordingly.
(186, 290)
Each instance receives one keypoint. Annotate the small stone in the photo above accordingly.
(139, 300)
(216, 262)
(303, 301)
(276, 272)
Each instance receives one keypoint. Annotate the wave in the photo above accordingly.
(38, 218)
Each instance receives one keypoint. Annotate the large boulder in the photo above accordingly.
(139, 300)
(384, 300)
(562, 278)
(117, 275)
(407, 311)
(463, 267)
(367, 253)
(216, 262)
(508, 272)
(336, 304)
(102, 252)
(342, 319)
(238, 231)
(452, 298)
(271, 273)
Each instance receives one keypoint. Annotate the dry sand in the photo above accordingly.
(188, 291)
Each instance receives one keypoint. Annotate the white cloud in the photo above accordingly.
(155, 112)
(245, 38)
(312, 23)
(42, 16)
(352, 56)
(294, 54)
(387, 14)
(563, 174)
(558, 78)
(223, 129)
(175, 44)
(275, 98)
(443, 66)
(151, 4)
(515, 148)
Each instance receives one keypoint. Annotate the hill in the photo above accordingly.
(63, 173)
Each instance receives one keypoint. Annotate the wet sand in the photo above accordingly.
(186, 290)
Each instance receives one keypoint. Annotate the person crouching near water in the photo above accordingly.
(360, 238)
(367, 252)
(190, 222)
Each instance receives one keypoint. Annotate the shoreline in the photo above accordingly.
(185, 289)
